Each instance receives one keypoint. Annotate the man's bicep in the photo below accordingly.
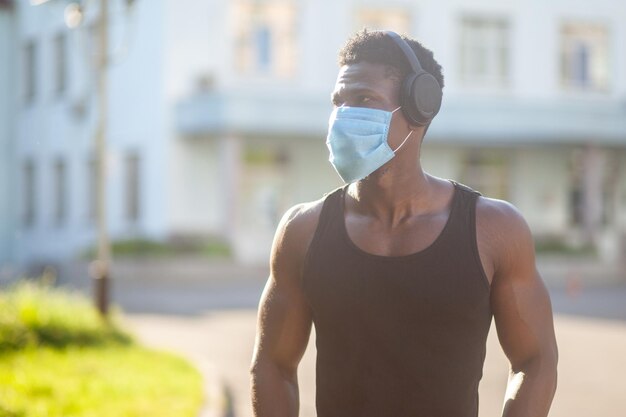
(523, 317)
(284, 321)
(284, 325)
(519, 299)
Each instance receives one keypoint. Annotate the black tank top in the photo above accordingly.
(400, 336)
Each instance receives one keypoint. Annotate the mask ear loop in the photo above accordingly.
(407, 136)
(403, 142)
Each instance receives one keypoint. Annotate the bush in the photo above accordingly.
(144, 248)
(35, 314)
(556, 246)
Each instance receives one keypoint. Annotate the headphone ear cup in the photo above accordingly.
(420, 97)
(426, 95)
(408, 100)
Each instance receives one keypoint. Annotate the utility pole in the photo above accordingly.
(101, 267)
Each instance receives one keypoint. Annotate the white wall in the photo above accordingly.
(441, 161)
(49, 127)
(312, 175)
(540, 188)
(194, 43)
(175, 42)
(534, 42)
(266, 191)
(195, 177)
(6, 136)
(139, 118)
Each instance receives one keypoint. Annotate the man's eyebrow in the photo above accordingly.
(336, 95)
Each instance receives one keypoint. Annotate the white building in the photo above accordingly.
(218, 114)
(7, 52)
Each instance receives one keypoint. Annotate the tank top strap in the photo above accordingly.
(463, 226)
(332, 207)
(459, 221)
(465, 188)
(464, 203)
(331, 210)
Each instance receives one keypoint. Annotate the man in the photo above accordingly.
(400, 271)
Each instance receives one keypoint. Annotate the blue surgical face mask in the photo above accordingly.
(357, 141)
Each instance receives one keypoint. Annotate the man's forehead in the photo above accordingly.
(365, 76)
(363, 72)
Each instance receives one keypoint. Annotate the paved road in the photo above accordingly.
(213, 323)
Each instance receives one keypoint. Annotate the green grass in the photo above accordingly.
(144, 248)
(117, 380)
(59, 359)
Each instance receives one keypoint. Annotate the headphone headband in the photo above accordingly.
(407, 50)
(420, 93)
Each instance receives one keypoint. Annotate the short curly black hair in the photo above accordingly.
(378, 48)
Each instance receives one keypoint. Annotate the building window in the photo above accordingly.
(60, 191)
(485, 53)
(576, 190)
(133, 189)
(487, 172)
(30, 71)
(594, 187)
(29, 174)
(584, 56)
(265, 37)
(383, 18)
(92, 189)
(263, 47)
(60, 64)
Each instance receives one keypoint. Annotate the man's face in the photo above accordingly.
(366, 84)
(370, 85)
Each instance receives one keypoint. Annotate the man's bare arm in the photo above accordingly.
(522, 311)
(284, 320)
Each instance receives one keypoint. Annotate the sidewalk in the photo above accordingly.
(565, 271)
(557, 271)
(179, 336)
(591, 363)
(208, 314)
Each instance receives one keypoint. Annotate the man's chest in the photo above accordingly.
(409, 236)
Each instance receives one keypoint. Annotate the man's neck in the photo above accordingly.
(394, 195)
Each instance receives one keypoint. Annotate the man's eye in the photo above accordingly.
(364, 99)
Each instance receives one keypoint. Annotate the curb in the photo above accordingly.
(217, 397)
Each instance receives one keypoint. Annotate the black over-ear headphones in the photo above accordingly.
(420, 94)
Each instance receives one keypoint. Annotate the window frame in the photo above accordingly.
(30, 57)
(29, 197)
(497, 51)
(249, 17)
(60, 178)
(60, 49)
(590, 86)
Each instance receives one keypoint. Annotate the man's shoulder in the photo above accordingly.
(304, 215)
(297, 227)
(496, 214)
(503, 235)
(294, 236)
